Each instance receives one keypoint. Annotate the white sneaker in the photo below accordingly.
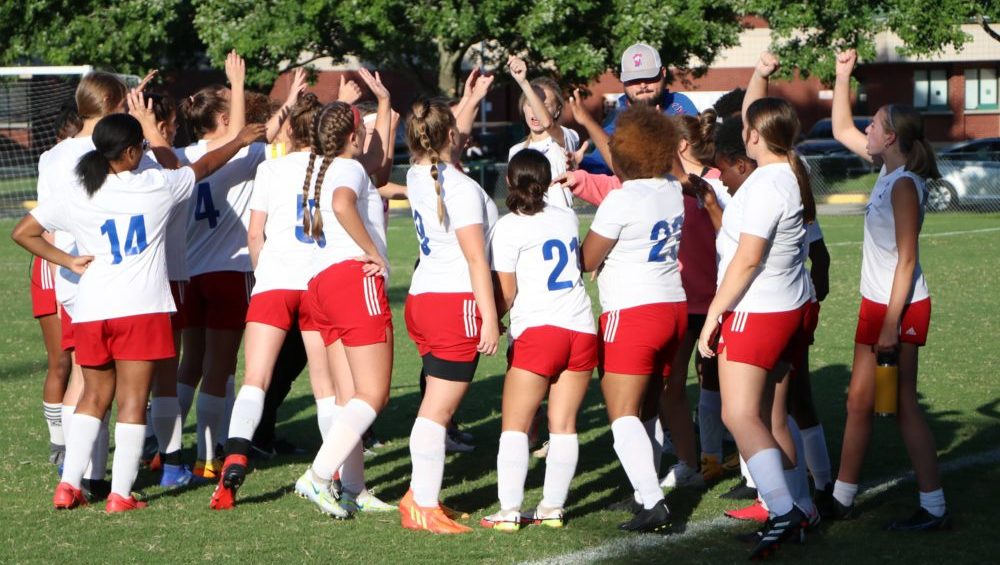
(549, 517)
(319, 494)
(681, 475)
(368, 502)
(452, 445)
(503, 521)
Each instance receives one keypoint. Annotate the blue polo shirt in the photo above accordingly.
(673, 103)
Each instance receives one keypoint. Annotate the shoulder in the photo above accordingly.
(515, 148)
(679, 103)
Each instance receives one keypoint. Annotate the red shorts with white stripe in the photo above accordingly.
(278, 308)
(444, 324)
(68, 340)
(344, 303)
(641, 340)
(763, 338)
(913, 325)
(550, 350)
(218, 301)
(146, 337)
(178, 321)
(43, 288)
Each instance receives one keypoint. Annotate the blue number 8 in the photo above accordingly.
(418, 224)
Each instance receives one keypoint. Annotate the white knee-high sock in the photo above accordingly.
(635, 453)
(745, 472)
(98, 469)
(560, 466)
(766, 469)
(227, 415)
(128, 450)
(326, 412)
(53, 420)
(512, 469)
(797, 479)
(166, 423)
(185, 397)
(427, 454)
(67, 419)
(710, 423)
(247, 411)
(210, 410)
(817, 456)
(654, 430)
(344, 436)
(352, 472)
(79, 447)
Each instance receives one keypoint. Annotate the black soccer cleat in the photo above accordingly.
(656, 519)
(740, 492)
(830, 508)
(780, 529)
(921, 521)
(627, 504)
(95, 489)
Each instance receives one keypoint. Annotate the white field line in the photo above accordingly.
(924, 236)
(625, 545)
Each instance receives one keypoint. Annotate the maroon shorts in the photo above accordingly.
(344, 303)
(43, 288)
(444, 324)
(145, 337)
(763, 338)
(218, 301)
(913, 325)
(278, 308)
(178, 321)
(641, 340)
(550, 350)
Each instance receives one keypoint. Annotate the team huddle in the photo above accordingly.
(153, 265)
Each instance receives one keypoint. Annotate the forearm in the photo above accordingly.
(600, 139)
(902, 284)
(237, 109)
(39, 247)
(482, 290)
(216, 158)
(594, 188)
(255, 242)
(273, 126)
(841, 118)
(756, 89)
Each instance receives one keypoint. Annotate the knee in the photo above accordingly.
(860, 406)
(561, 424)
(734, 417)
(60, 365)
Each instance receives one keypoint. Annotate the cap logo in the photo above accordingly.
(637, 60)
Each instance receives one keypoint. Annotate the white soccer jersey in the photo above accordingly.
(543, 253)
(879, 253)
(557, 195)
(769, 206)
(219, 212)
(645, 217)
(123, 226)
(339, 246)
(176, 238)
(443, 267)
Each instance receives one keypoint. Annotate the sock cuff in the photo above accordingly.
(52, 405)
(186, 387)
(251, 393)
(512, 436)
(86, 420)
(165, 406)
(359, 415)
(624, 423)
(122, 428)
(562, 438)
(428, 425)
(326, 406)
(211, 401)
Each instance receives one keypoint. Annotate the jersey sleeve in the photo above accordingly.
(180, 182)
(261, 189)
(350, 174)
(813, 232)
(513, 150)
(503, 248)
(463, 203)
(43, 189)
(611, 217)
(572, 139)
(51, 215)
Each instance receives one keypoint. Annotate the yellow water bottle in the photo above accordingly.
(886, 383)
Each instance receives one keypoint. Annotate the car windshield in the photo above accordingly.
(823, 129)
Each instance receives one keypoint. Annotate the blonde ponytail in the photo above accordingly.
(428, 127)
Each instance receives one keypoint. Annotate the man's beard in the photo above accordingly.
(651, 101)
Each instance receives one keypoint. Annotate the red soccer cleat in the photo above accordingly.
(118, 503)
(233, 473)
(67, 497)
(755, 512)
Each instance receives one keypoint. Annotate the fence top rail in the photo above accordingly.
(58, 70)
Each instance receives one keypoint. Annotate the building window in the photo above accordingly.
(930, 89)
(981, 89)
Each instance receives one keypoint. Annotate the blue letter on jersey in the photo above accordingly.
(418, 223)
(135, 238)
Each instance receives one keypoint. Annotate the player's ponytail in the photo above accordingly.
(332, 128)
(112, 136)
(428, 135)
(699, 132)
(201, 109)
(778, 125)
(99, 94)
(908, 125)
(529, 175)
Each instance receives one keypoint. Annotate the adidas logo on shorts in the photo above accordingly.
(911, 331)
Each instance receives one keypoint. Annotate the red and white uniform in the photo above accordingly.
(698, 264)
(441, 312)
(762, 324)
(123, 302)
(878, 266)
(640, 284)
(342, 302)
(43, 289)
(557, 194)
(551, 321)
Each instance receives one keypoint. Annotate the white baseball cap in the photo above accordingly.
(640, 61)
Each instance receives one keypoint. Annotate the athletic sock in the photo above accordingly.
(933, 502)
(128, 450)
(634, 450)
(797, 478)
(766, 469)
(53, 419)
(67, 420)
(166, 423)
(247, 410)
(654, 430)
(710, 423)
(817, 456)
(185, 398)
(352, 472)
(227, 415)
(326, 412)
(210, 410)
(79, 448)
(560, 466)
(98, 469)
(427, 454)
(150, 432)
(845, 492)
(512, 469)
(344, 435)
(745, 473)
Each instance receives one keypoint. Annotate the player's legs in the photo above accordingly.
(57, 372)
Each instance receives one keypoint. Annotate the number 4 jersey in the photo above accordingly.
(123, 226)
(542, 251)
(645, 217)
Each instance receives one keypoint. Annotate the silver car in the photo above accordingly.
(970, 176)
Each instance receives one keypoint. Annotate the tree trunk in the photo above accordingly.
(448, 63)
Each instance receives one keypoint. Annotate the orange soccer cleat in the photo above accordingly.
(118, 503)
(67, 497)
(432, 519)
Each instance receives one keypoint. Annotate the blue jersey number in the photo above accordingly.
(555, 249)
(135, 238)
(418, 224)
(204, 208)
(661, 233)
(300, 231)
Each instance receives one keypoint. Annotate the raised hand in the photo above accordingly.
(141, 109)
(517, 68)
(251, 133)
(374, 83)
(845, 62)
(349, 91)
(146, 79)
(573, 159)
(236, 71)
(767, 64)
(470, 81)
(580, 112)
(298, 86)
(482, 86)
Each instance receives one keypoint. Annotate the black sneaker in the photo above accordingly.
(627, 504)
(95, 489)
(740, 492)
(830, 508)
(656, 519)
(780, 529)
(921, 521)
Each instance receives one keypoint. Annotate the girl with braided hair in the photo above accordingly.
(450, 310)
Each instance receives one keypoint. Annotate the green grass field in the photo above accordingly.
(958, 386)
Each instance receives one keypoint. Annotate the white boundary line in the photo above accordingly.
(923, 236)
(625, 545)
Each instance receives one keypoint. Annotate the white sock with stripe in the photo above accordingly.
(210, 410)
(53, 419)
(636, 455)
(817, 456)
(766, 469)
(512, 469)
(710, 427)
(79, 448)
(247, 411)
(166, 423)
(560, 466)
(326, 412)
(128, 451)
(427, 455)
(344, 435)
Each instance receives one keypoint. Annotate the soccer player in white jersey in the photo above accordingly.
(633, 243)
(450, 311)
(895, 303)
(760, 306)
(535, 254)
(218, 261)
(541, 104)
(118, 217)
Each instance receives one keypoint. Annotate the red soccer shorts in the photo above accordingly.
(278, 308)
(550, 350)
(762, 338)
(145, 337)
(446, 325)
(343, 303)
(43, 288)
(218, 301)
(913, 326)
(68, 340)
(641, 340)
(178, 321)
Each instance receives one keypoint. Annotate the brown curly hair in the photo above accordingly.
(644, 144)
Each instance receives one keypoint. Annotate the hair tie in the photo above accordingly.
(357, 116)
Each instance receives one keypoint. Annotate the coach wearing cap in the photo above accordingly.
(645, 81)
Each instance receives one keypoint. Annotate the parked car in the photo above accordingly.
(827, 157)
(970, 175)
